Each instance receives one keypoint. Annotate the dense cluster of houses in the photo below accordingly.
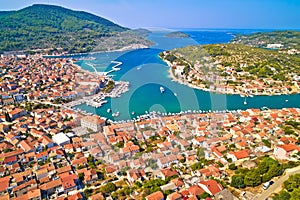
(43, 151)
(36, 78)
(47, 152)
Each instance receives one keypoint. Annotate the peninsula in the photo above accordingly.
(285, 41)
(235, 69)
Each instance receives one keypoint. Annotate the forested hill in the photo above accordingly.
(285, 39)
(47, 26)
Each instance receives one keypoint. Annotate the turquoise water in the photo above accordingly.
(146, 73)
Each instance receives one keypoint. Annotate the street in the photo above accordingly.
(277, 185)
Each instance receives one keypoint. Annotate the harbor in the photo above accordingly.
(147, 73)
(99, 99)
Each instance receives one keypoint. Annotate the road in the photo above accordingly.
(277, 185)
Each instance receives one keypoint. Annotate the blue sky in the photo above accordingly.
(184, 13)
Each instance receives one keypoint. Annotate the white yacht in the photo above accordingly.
(116, 114)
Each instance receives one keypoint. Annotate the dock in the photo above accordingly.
(114, 68)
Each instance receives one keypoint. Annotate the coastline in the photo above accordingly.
(242, 94)
(125, 48)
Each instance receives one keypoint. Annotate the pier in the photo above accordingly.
(114, 68)
(99, 99)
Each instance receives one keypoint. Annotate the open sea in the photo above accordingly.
(146, 73)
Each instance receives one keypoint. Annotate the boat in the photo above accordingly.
(245, 102)
(175, 94)
(116, 114)
(264, 108)
(286, 100)
(250, 95)
(162, 89)
(133, 113)
(108, 110)
(138, 68)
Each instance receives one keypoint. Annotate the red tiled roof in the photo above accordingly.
(241, 154)
(155, 196)
(168, 172)
(289, 147)
(4, 183)
(195, 190)
(213, 186)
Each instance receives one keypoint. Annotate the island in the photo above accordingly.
(177, 34)
(235, 69)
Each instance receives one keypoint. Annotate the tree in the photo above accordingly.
(87, 192)
(138, 184)
(232, 166)
(275, 170)
(196, 166)
(295, 195)
(283, 195)
(80, 167)
(81, 176)
(120, 144)
(237, 181)
(252, 179)
(200, 152)
(108, 188)
(292, 183)
(91, 162)
(262, 167)
(204, 195)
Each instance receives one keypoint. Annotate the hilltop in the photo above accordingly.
(54, 28)
(235, 68)
(285, 41)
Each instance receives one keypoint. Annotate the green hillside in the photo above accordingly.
(288, 39)
(236, 67)
(47, 26)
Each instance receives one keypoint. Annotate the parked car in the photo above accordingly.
(267, 184)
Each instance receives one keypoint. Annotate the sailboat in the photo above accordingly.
(245, 102)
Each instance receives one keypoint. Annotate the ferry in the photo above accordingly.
(162, 89)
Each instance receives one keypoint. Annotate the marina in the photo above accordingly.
(146, 73)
